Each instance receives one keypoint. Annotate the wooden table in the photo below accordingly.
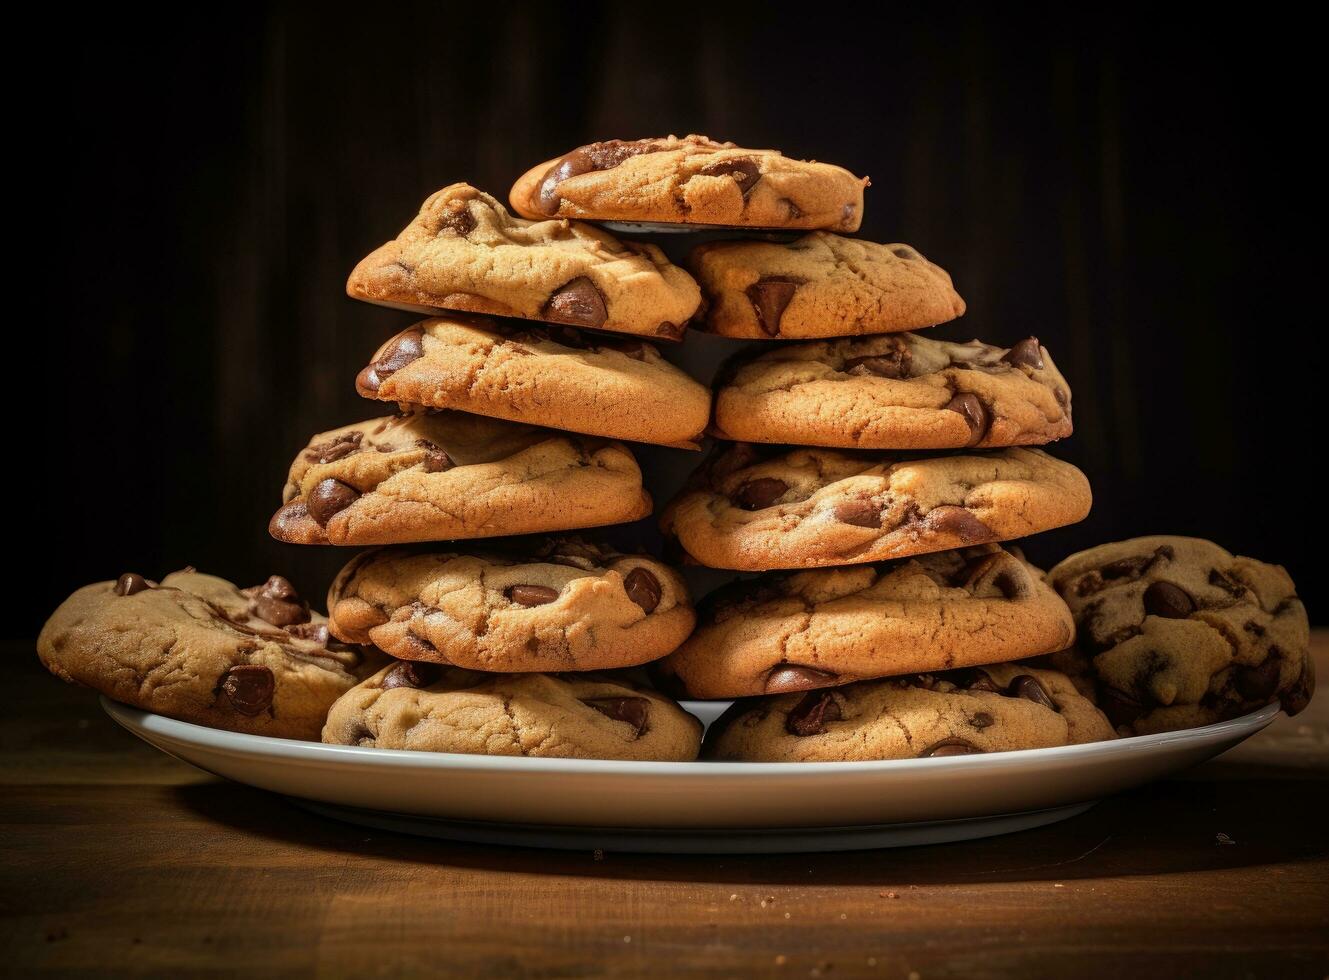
(120, 859)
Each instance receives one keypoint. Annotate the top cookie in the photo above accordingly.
(616, 387)
(692, 181)
(820, 285)
(197, 648)
(899, 391)
(464, 251)
(1176, 632)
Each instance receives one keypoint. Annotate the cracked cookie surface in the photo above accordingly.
(562, 605)
(602, 385)
(820, 285)
(755, 508)
(434, 476)
(430, 708)
(693, 180)
(809, 630)
(465, 252)
(1176, 632)
(997, 708)
(197, 648)
(899, 391)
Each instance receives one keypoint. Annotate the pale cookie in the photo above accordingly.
(616, 387)
(196, 648)
(834, 626)
(754, 508)
(430, 708)
(437, 476)
(1175, 633)
(820, 285)
(465, 252)
(694, 181)
(562, 605)
(901, 391)
(997, 708)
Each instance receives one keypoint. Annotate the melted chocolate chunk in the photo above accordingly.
(760, 493)
(1168, 600)
(1260, 682)
(277, 602)
(411, 673)
(131, 583)
(1027, 353)
(859, 513)
(975, 413)
(530, 595)
(317, 632)
(634, 711)
(981, 720)
(809, 716)
(769, 297)
(249, 688)
(586, 159)
(1028, 687)
(436, 460)
(329, 498)
(950, 519)
(950, 746)
(643, 588)
(334, 449)
(888, 364)
(745, 171)
(457, 219)
(577, 302)
(785, 678)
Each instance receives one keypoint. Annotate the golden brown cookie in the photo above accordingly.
(560, 605)
(899, 391)
(436, 476)
(996, 708)
(1176, 632)
(196, 648)
(834, 626)
(430, 708)
(692, 181)
(465, 252)
(820, 285)
(600, 384)
(754, 508)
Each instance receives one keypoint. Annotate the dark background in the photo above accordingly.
(1126, 188)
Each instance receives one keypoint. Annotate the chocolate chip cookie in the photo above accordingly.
(694, 181)
(431, 708)
(753, 508)
(965, 712)
(617, 387)
(898, 391)
(435, 476)
(465, 252)
(824, 628)
(196, 648)
(820, 285)
(563, 605)
(1175, 632)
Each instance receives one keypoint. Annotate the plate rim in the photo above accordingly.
(134, 719)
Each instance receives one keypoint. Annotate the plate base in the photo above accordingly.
(792, 841)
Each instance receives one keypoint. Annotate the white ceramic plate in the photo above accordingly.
(690, 806)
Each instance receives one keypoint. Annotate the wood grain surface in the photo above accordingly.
(119, 859)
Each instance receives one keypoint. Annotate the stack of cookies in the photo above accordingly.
(873, 476)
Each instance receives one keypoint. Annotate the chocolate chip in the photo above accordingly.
(785, 678)
(604, 155)
(131, 583)
(957, 521)
(1168, 600)
(407, 346)
(436, 460)
(1124, 567)
(578, 303)
(809, 716)
(316, 632)
(904, 252)
(411, 673)
(950, 746)
(769, 297)
(760, 493)
(745, 171)
(277, 602)
(888, 364)
(328, 498)
(530, 595)
(859, 513)
(635, 711)
(1258, 683)
(1229, 585)
(980, 681)
(334, 449)
(1027, 353)
(457, 218)
(249, 688)
(981, 720)
(976, 415)
(1121, 709)
(1028, 687)
(643, 588)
